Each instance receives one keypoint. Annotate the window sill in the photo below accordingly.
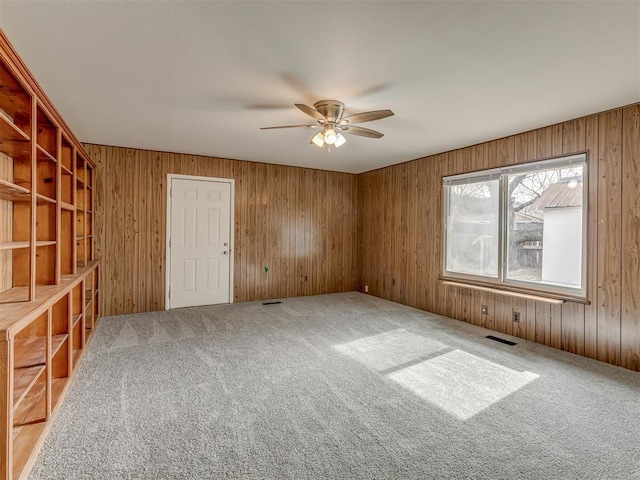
(551, 298)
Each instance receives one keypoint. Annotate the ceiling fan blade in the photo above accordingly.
(366, 117)
(290, 126)
(312, 112)
(363, 132)
(268, 106)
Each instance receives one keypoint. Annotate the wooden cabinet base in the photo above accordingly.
(41, 345)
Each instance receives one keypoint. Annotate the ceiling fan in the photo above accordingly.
(328, 115)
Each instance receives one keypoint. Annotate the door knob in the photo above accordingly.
(225, 253)
(226, 244)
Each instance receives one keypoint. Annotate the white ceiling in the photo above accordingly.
(202, 77)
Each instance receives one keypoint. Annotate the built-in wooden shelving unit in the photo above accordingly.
(48, 273)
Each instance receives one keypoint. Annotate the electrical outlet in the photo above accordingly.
(485, 310)
(366, 289)
(516, 317)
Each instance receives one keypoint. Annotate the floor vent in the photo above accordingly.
(272, 303)
(501, 340)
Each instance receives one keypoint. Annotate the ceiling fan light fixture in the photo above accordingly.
(318, 139)
(328, 115)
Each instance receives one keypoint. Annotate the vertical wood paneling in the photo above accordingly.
(544, 138)
(573, 136)
(591, 310)
(607, 327)
(298, 222)
(572, 335)
(503, 314)
(543, 323)
(519, 328)
(131, 245)
(144, 232)
(556, 139)
(434, 236)
(361, 230)
(274, 275)
(630, 321)
(116, 169)
(158, 215)
(531, 321)
(555, 334)
(263, 250)
(609, 235)
(489, 299)
(572, 323)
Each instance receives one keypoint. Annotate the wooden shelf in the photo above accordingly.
(14, 99)
(10, 132)
(43, 199)
(13, 245)
(57, 341)
(526, 296)
(33, 407)
(45, 243)
(43, 155)
(39, 198)
(16, 295)
(14, 193)
(32, 351)
(24, 439)
(14, 308)
(58, 389)
(23, 380)
(77, 353)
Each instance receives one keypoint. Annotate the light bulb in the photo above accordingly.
(318, 139)
(340, 140)
(330, 136)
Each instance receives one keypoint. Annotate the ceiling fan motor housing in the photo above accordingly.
(331, 109)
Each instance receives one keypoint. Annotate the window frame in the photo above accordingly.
(501, 282)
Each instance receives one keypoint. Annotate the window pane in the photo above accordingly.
(472, 228)
(544, 227)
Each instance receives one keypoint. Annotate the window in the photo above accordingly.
(522, 225)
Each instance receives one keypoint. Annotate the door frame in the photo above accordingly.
(232, 183)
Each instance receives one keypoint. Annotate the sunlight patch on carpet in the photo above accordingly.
(460, 383)
(390, 349)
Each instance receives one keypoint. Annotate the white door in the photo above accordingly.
(199, 246)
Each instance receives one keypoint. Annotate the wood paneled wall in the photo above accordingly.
(400, 238)
(297, 222)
